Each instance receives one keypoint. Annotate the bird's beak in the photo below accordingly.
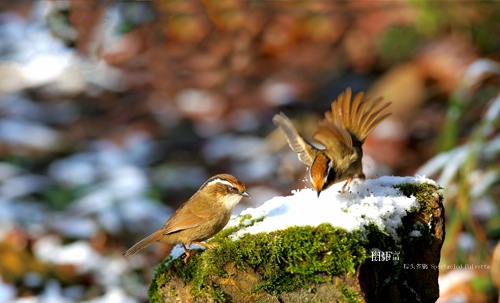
(245, 194)
(317, 187)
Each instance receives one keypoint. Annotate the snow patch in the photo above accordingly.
(373, 201)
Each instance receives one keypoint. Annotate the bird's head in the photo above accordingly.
(225, 188)
(321, 173)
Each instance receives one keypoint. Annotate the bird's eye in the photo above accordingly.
(232, 189)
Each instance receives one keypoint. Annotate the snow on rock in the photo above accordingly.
(373, 201)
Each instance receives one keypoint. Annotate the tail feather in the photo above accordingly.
(143, 243)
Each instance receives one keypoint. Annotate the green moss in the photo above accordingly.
(287, 260)
(188, 272)
(158, 281)
(422, 191)
(350, 296)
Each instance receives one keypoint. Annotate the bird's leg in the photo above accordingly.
(347, 183)
(188, 253)
(206, 245)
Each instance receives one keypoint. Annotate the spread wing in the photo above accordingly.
(359, 117)
(333, 136)
(306, 152)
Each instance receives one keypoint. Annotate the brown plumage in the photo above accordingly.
(201, 217)
(342, 132)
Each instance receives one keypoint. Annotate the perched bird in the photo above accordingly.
(201, 217)
(342, 132)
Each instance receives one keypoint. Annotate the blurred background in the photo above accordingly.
(113, 113)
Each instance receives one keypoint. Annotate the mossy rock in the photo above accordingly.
(315, 264)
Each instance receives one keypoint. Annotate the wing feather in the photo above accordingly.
(306, 152)
(359, 117)
(330, 129)
(185, 218)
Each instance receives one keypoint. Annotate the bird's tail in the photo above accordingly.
(359, 117)
(143, 243)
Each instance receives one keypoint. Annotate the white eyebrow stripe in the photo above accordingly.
(327, 172)
(217, 180)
